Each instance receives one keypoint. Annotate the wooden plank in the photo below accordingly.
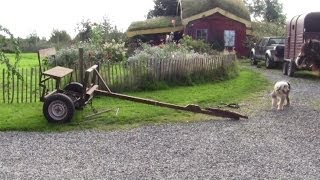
(131, 74)
(35, 84)
(22, 85)
(177, 69)
(8, 89)
(26, 81)
(3, 86)
(76, 74)
(81, 64)
(120, 75)
(12, 87)
(160, 63)
(43, 53)
(169, 70)
(18, 89)
(109, 74)
(125, 76)
(58, 72)
(30, 100)
(102, 81)
(115, 73)
(106, 74)
(112, 74)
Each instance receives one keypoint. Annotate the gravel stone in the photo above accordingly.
(269, 145)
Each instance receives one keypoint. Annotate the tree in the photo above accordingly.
(266, 10)
(11, 67)
(59, 37)
(274, 12)
(99, 33)
(164, 8)
(33, 39)
(85, 30)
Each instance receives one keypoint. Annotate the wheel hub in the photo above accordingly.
(58, 110)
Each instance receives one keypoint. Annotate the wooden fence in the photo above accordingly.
(123, 76)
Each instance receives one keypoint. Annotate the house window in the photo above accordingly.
(202, 34)
(229, 38)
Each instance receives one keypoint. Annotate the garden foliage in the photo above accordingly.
(11, 68)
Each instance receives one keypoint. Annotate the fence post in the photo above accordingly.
(31, 78)
(22, 85)
(81, 64)
(4, 86)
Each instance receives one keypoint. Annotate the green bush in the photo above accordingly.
(147, 53)
(64, 57)
(112, 51)
(199, 46)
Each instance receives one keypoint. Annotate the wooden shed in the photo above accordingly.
(226, 22)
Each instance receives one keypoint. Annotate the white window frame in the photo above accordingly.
(229, 38)
(203, 34)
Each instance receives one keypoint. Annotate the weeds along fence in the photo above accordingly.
(123, 76)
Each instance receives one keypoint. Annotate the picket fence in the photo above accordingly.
(123, 76)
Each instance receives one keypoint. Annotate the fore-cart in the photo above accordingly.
(60, 104)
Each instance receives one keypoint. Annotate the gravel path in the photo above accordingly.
(270, 145)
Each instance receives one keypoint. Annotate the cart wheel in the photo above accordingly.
(285, 68)
(75, 87)
(58, 108)
(269, 62)
(291, 68)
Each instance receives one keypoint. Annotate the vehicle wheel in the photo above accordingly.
(291, 68)
(58, 108)
(75, 87)
(269, 62)
(285, 68)
(253, 60)
(78, 88)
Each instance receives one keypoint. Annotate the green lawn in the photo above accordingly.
(28, 117)
(27, 60)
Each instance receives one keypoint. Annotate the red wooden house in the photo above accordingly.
(216, 21)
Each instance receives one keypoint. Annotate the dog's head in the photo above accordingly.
(282, 86)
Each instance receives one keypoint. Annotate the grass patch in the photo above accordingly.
(27, 60)
(22, 117)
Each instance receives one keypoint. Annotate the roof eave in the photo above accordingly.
(214, 11)
(154, 31)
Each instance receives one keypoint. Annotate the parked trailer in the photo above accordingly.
(300, 29)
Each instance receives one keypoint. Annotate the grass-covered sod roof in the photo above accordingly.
(158, 22)
(192, 7)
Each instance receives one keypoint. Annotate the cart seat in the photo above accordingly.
(58, 72)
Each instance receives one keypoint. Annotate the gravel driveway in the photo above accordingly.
(270, 145)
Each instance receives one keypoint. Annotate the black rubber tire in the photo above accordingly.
(269, 63)
(253, 60)
(75, 87)
(291, 68)
(58, 108)
(285, 68)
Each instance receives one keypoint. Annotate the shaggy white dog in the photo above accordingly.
(280, 93)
